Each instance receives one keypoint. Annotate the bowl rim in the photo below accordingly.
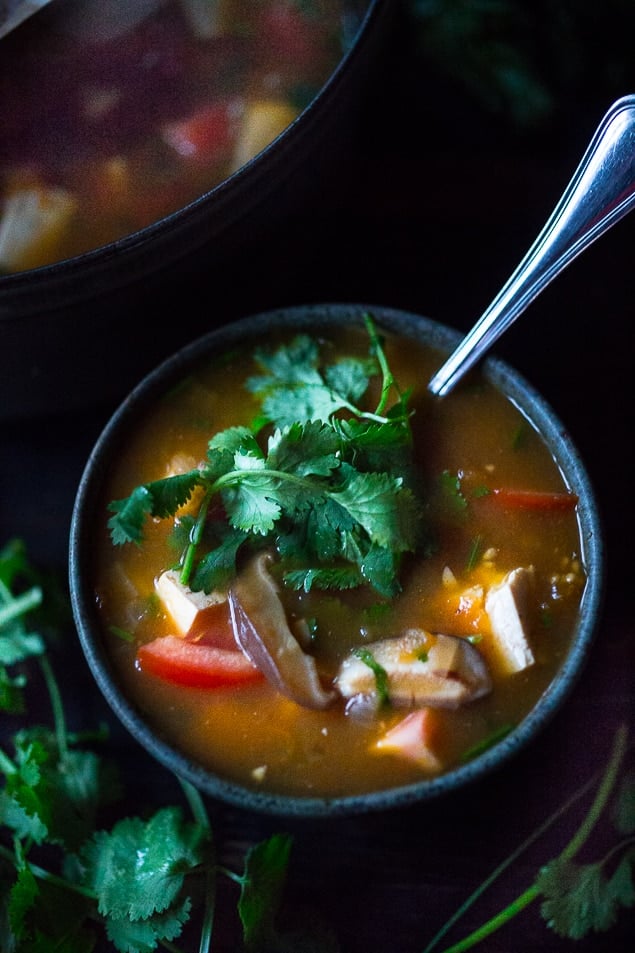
(245, 181)
(306, 317)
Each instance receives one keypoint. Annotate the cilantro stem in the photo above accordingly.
(602, 796)
(51, 878)
(243, 476)
(196, 535)
(388, 381)
(534, 836)
(200, 814)
(619, 848)
(6, 764)
(571, 849)
(56, 704)
(19, 605)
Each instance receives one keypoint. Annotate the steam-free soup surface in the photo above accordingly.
(492, 503)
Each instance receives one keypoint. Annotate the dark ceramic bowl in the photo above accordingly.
(75, 333)
(241, 333)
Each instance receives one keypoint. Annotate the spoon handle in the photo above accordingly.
(600, 193)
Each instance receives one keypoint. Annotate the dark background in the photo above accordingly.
(468, 133)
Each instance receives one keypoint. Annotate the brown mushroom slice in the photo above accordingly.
(442, 671)
(262, 631)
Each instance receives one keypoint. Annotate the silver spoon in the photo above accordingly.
(15, 12)
(600, 193)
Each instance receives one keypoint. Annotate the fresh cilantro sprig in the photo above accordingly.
(17, 642)
(330, 488)
(64, 879)
(576, 899)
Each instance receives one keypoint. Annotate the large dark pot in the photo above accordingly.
(81, 331)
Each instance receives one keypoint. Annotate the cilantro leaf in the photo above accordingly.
(22, 897)
(309, 449)
(323, 577)
(302, 402)
(137, 869)
(23, 809)
(453, 501)
(261, 889)
(291, 363)
(296, 390)
(126, 526)
(380, 504)
(56, 794)
(325, 491)
(17, 642)
(143, 936)
(233, 439)
(349, 377)
(217, 568)
(16, 645)
(169, 494)
(159, 498)
(380, 568)
(250, 506)
(579, 898)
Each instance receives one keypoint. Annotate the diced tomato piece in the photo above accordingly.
(207, 135)
(415, 738)
(536, 499)
(214, 627)
(194, 664)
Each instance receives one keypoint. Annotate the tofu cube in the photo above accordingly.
(187, 608)
(507, 607)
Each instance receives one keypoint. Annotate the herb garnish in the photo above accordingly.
(380, 673)
(328, 489)
(64, 881)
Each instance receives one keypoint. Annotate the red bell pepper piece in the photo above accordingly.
(195, 664)
(544, 500)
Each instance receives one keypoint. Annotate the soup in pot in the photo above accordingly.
(115, 115)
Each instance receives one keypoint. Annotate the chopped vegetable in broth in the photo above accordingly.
(116, 115)
(319, 580)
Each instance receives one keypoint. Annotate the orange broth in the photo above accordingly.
(261, 739)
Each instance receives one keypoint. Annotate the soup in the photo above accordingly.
(116, 115)
(315, 579)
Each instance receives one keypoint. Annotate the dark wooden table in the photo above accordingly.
(431, 209)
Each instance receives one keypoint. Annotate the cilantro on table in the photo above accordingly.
(577, 899)
(319, 478)
(68, 884)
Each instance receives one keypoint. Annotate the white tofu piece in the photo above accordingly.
(187, 608)
(507, 605)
